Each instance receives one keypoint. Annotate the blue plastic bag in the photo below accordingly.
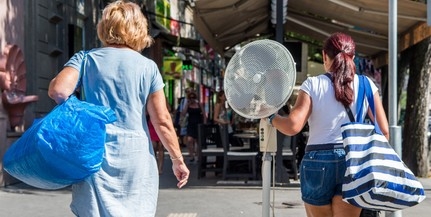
(64, 147)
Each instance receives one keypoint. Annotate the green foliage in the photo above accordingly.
(402, 107)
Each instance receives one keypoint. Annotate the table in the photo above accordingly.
(251, 138)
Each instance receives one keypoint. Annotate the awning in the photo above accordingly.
(225, 23)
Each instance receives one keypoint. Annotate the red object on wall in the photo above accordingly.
(13, 83)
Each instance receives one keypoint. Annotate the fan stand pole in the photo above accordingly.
(266, 183)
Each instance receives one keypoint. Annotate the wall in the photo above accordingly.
(11, 23)
(314, 68)
(11, 32)
(45, 31)
(55, 30)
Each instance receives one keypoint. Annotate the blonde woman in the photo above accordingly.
(119, 77)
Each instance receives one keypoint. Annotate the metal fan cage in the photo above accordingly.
(259, 79)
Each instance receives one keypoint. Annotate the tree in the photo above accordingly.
(415, 141)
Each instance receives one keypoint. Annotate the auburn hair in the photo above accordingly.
(341, 49)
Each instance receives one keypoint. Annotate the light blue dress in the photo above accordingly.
(128, 181)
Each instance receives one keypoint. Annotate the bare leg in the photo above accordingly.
(318, 211)
(338, 208)
(190, 147)
(160, 156)
(184, 140)
(155, 148)
(341, 208)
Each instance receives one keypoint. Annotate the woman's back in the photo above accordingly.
(112, 78)
(327, 114)
(119, 77)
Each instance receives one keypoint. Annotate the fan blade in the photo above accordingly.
(274, 84)
(254, 59)
(259, 79)
(240, 93)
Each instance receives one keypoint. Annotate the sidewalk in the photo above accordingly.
(211, 197)
(206, 197)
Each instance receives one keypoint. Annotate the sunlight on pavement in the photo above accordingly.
(182, 215)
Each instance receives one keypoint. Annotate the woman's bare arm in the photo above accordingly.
(381, 115)
(162, 122)
(63, 85)
(298, 117)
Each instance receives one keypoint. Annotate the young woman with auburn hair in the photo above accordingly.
(321, 102)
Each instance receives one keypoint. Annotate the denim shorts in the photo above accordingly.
(322, 175)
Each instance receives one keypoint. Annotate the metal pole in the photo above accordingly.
(266, 158)
(266, 184)
(394, 130)
(279, 30)
(429, 13)
(280, 174)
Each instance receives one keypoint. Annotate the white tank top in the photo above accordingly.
(328, 114)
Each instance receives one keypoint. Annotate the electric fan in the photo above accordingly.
(259, 80)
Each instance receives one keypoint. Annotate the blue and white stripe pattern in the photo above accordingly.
(376, 178)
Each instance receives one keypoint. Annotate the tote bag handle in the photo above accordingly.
(365, 83)
(81, 75)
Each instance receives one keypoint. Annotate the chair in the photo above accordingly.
(209, 149)
(289, 156)
(232, 159)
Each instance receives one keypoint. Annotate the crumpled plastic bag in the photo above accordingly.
(62, 148)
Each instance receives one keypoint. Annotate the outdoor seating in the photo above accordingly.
(209, 149)
(234, 161)
(289, 156)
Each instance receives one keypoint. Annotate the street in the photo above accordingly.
(206, 197)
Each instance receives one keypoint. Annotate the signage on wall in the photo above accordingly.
(163, 14)
(172, 68)
(187, 65)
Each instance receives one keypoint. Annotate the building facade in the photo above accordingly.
(49, 32)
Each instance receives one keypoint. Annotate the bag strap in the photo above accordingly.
(349, 112)
(361, 97)
(370, 99)
(81, 75)
(359, 103)
(364, 90)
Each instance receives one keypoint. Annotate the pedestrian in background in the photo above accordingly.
(119, 77)
(159, 150)
(321, 101)
(181, 121)
(177, 117)
(223, 115)
(196, 115)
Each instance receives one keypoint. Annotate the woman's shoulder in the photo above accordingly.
(129, 58)
(315, 81)
(122, 52)
(321, 77)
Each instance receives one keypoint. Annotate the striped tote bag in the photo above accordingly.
(376, 178)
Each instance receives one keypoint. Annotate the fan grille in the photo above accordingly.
(259, 79)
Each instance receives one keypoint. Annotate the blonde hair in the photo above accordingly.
(123, 23)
